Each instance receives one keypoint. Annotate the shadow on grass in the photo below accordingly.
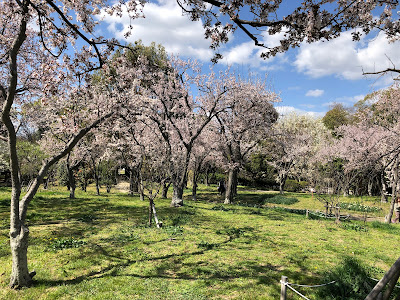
(93, 213)
(173, 266)
(249, 199)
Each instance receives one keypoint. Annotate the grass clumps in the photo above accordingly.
(220, 207)
(173, 230)
(384, 227)
(87, 218)
(65, 243)
(206, 245)
(355, 227)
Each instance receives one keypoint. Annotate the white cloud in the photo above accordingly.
(164, 24)
(350, 99)
(284, 110)
(248, 53)
(347, 59)
(346, 101)
(274, 40)
(315, 93)
(242, 54)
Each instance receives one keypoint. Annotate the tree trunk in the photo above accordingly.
(231, 186)
(71, 182)
(45, 183)
(384, 198)
(389, 216)
(85, 184)
(391, 285)
(346, 187)
(150, 211)
(133, 182)
(141, 187)
(282, 182)
(20, 276)
(194, 185)
(96, 175)
(141, 194)
(391, 273)
(370, 186)
(177, 195)
(97, 186)
(194, 192)
(72, 188)
(137, 180)
(97, 180)
(165, 188)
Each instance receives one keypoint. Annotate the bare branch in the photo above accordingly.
(382, 71)
(47, 164)
(75, 29)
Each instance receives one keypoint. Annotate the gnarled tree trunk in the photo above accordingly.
(231, 188)
(133, 181)
(207, 177)
(20, 276)
(72, 183)
(165, 187)
(177, 194)
(194, 191)
(194, 184)
(282, 182)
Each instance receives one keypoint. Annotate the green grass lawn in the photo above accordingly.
(100, 247)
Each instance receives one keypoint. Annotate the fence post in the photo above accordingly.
(307, 213)
(283, 287)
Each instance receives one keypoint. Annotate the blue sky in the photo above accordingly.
(309, 79)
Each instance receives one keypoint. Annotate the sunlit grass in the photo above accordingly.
(205, 250)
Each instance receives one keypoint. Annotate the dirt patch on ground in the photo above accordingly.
(122, 186)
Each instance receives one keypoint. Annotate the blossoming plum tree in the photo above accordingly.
(295, 140)
(247, 119)
(34, 65)
(372, 143)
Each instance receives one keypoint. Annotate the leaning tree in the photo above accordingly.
(35, 65)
